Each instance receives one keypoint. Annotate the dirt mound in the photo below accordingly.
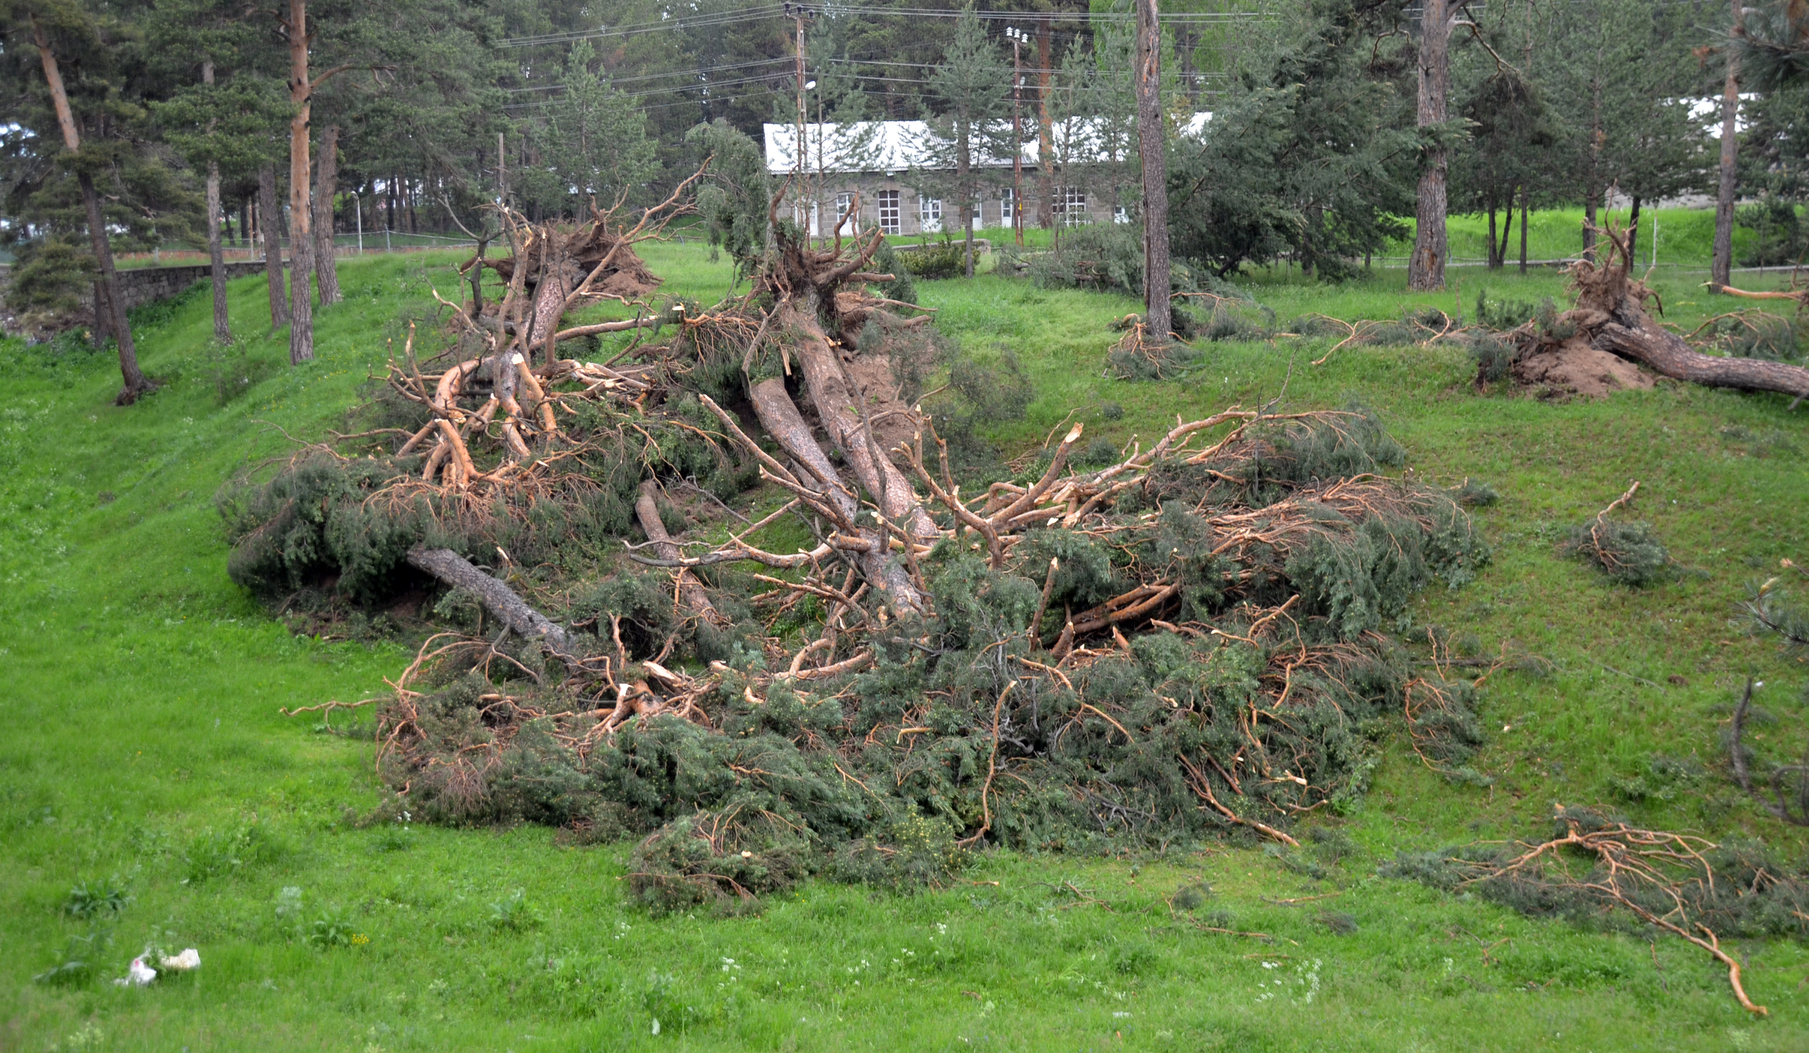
(1575, 367)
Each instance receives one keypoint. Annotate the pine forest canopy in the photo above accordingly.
(414, 115)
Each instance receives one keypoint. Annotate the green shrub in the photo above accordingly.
(942, 259)
(1628, 553)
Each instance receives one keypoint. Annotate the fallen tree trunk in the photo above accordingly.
(1666, 353)
(500, 600)
(1611, 312)
(839, 406)
(781, 419)
(646, 508)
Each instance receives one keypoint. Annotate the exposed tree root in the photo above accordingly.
(1610, 315)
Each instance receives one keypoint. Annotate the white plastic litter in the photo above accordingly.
(137, 975)
(188, 959)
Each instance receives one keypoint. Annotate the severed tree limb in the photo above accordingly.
(689, 589)
(500, 600)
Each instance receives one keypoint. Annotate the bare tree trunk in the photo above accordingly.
(964, 208)
(102, 330)
(1431, 249)
(326, 186)
(779, 416)
(1154, 156)
(1526, 200)
(270, 232)
(838, 404)
(301, 311)
(1045, 132)
(135, 383)
(216, 257)
(1492, 213)
(301, 306)
(1633, 233)
(1721, 262)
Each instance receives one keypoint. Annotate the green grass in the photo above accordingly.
(143, 741)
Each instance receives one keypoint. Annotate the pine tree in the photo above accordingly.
(79, 75)
(597, 143)
(1312, 150)
(970, 135)
(225, 111)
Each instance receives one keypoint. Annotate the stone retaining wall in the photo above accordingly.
(142, 285)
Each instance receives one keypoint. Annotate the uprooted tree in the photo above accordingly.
(1098, 645)
(1611, 316)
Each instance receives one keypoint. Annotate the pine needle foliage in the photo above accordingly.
(962, 724)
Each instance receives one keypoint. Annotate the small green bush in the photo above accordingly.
(942, 259)
(1628, 553)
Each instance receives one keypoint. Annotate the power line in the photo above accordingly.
(1218, 18)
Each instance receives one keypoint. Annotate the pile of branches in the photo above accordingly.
(1602, 871)
(1183, 645)
(1168, 645)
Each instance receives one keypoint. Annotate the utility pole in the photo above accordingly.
(798, 13)
(1017, 134)
(502, 175)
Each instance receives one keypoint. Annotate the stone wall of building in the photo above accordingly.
(911, 214)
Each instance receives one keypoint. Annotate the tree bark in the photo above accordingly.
(1154, 157)
(780, 418)
(216, 256)
(135, 383)
(301, 306)
(1506, 234)
(1666, 353)
(838, 405)
(1526, 205)
(1492, 210)
(1426, 268)
(500, 600)
(965, 207)
(326, 185)
(1633, 234)
(692, 594)
(301, 311)
(1721, 261)
(270, 232)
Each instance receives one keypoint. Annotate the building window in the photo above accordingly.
(1073, 206)
(843, 202)
(888, 212)
(929, 215)
(1007, 216)
(1121, 215)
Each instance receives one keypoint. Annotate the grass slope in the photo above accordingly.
(143, 744)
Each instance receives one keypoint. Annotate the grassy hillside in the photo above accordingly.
(145, 749)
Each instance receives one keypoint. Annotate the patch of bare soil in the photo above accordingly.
(1574, 368)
